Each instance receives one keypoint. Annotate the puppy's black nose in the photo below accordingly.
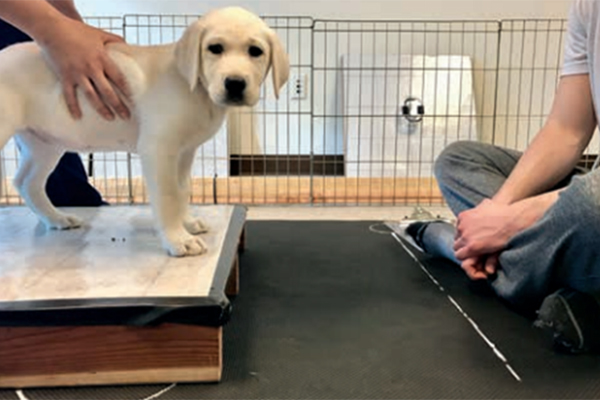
(235, 88)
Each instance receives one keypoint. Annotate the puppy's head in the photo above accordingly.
(230, 52)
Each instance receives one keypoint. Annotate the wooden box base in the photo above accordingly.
(109, 355)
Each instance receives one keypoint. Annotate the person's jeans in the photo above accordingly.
(561, 250)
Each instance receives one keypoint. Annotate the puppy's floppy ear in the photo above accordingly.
(188, 53)
(280, 64)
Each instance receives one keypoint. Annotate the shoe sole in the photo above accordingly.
(573, 319)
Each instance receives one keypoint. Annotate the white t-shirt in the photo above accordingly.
(581, 53)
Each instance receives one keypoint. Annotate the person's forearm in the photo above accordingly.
(67, 8)
(552, 155)
(37, 18)
(526, 212)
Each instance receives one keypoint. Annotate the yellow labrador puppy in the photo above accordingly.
(181, 93)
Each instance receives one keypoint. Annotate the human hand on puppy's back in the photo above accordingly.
(77, 54)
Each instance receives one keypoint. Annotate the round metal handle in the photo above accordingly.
(413, 109)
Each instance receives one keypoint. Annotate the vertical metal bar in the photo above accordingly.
(546, 63)
(228, 161)
(131, 199)
(496, 85)
(311, 198)
(139, 41)
(325, 117)
(385, 113)
(508, 85)
(252, 191)
(461, 81)
(474, 80)
(484, 79)
(117, 175)
(347, 117)
(117, 179)
(518, 101)
(531, 89)
(559, 53)
(265, 146)
(371, 160)
(337, 118)
(16, 160)
(412, 68)
(360, 115)
(215, 176)
(242, 156)
(311, 127)
(160, 30)
(398, 118)
(424, 120)
(129, 180)
(203, 174)
(435, 102)
(462, 73)
(276, 177)
(288, 127)
(451, 72)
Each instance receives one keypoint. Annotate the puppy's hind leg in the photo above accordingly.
(37, 160)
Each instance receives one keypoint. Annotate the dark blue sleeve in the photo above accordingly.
(10, 35)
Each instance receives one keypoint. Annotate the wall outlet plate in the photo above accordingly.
(299, 86)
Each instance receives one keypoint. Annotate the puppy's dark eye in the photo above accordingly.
(255, 51)
(215, 48)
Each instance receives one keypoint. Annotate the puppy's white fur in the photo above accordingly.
(179, 102)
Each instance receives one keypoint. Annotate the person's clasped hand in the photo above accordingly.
(77, 53)
(481, 234)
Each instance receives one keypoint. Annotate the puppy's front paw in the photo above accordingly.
(63, 222)
(181, 244)
(194, 225)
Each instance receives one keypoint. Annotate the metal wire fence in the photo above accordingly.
(368, 108)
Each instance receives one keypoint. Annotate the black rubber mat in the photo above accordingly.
(331, 310)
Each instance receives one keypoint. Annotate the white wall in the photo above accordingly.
(394, 9)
